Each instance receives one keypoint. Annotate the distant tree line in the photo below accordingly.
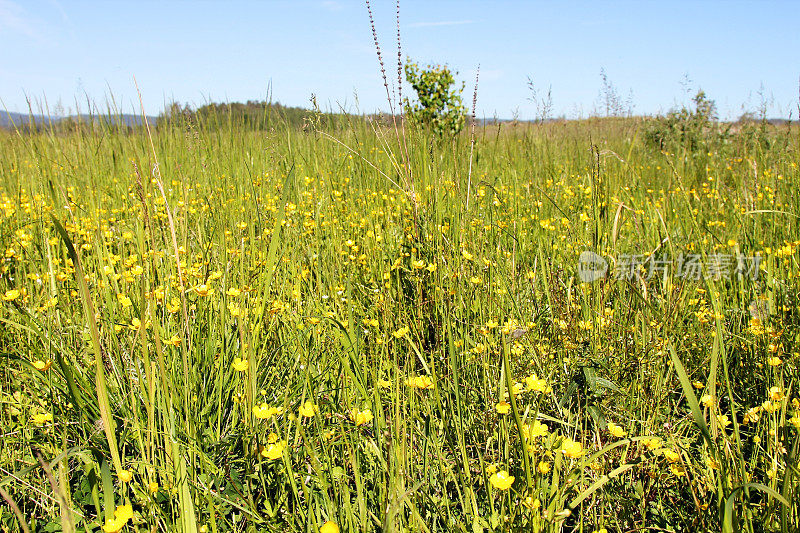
(252, 116)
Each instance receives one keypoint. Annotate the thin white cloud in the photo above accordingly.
(332, 5)
(13, 20)
(440, 23)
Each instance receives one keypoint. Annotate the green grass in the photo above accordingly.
(172, 287)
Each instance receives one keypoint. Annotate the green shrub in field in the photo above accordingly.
(439, 106)
(686, 129)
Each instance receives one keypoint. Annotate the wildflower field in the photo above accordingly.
(352, 328)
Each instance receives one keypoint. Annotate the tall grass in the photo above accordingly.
(239, 331)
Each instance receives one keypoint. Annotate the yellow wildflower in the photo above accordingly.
(402, 332)
(670, 455)
(535, 430)
(329, 527)
(174, 340)
(361, 417)
(615, 430)
(501, 480)
(308, 409)
(776, 394)
(502, 407)
(273, 451)
(41, 419)
(240, 364)
(10, 295)
(42, 366)
(537, 385)
(571, 449)
(420, 382)
(708, 401)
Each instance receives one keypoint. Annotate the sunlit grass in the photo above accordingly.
(266, 332)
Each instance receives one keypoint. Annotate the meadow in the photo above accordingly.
(345, 327)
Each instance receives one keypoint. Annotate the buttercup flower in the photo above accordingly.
(571, 449)
(308, 409)
(502, 407)
(501, 480)
(42, 366)
(615, 430)
(361, 417)
(273, 451)
(329, 527)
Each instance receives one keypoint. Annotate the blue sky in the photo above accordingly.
(194, 52)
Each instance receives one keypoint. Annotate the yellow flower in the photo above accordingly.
(125, 476)
(329, 527)
(174, 341)
(723, 421)
(265, 411)
(776, 394)
(41, 419)
(770, 407)
(233, 292)
(13, 294)
(384, 383)
(535, 430)
(615, 430)
(652, 443)
(203, 290)
(113, 525)
(174, 305)
(240, 364)
(122, 514)
(308, 409)
(572, 449)
(402, 332)
(677, 470)
(707, 400)
(670, 455)
(751, 416)
(543, 467)
(361, 417)
(501, 480)
(774, 361)
(420, 382)
(502, 407)
(153, 487)
(273, 451)
(42, 366)
(537, 385)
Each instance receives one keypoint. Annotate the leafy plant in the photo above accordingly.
(439, 105)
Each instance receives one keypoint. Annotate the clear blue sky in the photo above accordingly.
(231, 51)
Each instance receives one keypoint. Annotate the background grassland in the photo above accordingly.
(171, 302)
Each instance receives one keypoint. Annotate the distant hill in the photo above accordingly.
(9, 119)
